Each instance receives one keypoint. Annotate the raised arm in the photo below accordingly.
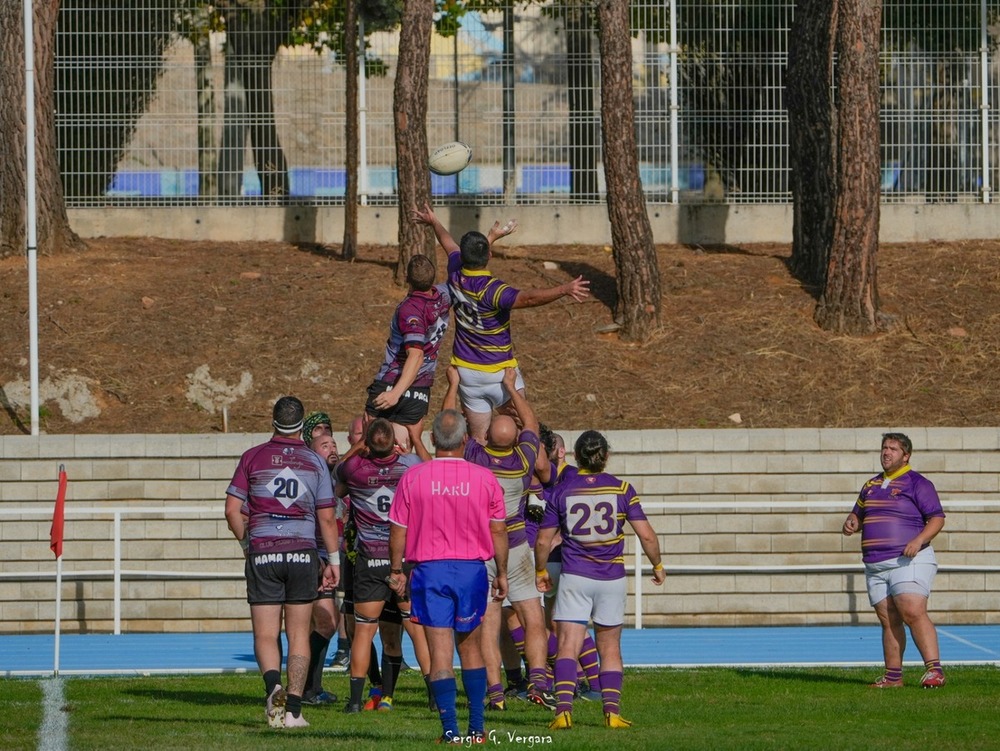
(451, 395)
(427, 216)
(578, 289)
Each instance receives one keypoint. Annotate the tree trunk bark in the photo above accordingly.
(409, 105)
(349, 251)
(53, 231)
(638, 274)
(580, 90)
(849, 303)
(812, 134)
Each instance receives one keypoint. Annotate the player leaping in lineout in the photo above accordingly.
(482, 303)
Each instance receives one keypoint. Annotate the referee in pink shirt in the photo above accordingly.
(448, 518)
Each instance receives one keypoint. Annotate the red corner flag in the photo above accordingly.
(58, 517)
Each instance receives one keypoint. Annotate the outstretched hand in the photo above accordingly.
(425, 216)
(497, 230)
(578, 289)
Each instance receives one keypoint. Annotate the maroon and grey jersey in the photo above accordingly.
(590, 511)
(371, 484)
(282, 483)
(893, 510)
(420, 320)
(514, 470)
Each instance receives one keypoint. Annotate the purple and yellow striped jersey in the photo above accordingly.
(893, 509)
(482, 305)
(514, 469)
(590, 511)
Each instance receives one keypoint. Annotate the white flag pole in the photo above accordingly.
(32, 218)
(55, 659)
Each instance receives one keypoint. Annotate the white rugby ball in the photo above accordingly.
(449, 158)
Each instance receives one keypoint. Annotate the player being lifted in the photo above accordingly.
(482, 304)
(401, 390)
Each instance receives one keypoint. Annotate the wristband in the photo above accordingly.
(395, 571)
(658, 566)
(333, 558)
(245, 543)
(540, 571)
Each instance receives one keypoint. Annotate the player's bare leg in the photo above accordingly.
(298, 619)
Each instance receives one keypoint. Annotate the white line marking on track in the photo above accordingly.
(966, 642)
(53, 734)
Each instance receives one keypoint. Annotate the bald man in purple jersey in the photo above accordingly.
(482, 303)
(899, 513)
(279, 493)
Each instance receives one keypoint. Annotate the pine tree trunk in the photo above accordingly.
(409, 104)
(638, 274)
(812, 135)
(849, 303)
(54, 234)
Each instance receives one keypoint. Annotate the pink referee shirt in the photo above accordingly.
(446, 506)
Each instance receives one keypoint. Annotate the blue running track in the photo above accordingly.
(788, 646)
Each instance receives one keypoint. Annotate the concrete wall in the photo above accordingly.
(707, 224)
(714, 496)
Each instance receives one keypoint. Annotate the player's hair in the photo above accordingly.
(449, 430)
(548, 439)
(420, 273)
(286, 417)
(591, 451)
(902, 439)
(475, 250)
(380, 437)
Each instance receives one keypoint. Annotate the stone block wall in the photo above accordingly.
(748, 520)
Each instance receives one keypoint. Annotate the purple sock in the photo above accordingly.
(565, 684)
(517, 636)
(588, 661)
(611, 691)
(553, 646)
(538, 678)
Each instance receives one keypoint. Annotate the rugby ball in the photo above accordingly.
(449, 158)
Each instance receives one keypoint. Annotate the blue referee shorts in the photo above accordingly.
(449, 594)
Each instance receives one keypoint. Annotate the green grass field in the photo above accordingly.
(714, 709)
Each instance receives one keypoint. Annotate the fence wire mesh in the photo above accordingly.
(184, 102)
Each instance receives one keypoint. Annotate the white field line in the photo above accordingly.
(53, 734)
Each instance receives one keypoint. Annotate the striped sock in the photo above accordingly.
(494, 694)
(517, 636)
(565, 684)
(611, 691)
(894, 674)
(553, 646)
(588, 661)
(538, 678)
(933, 665)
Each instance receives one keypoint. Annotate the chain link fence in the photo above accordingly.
(182, 102)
